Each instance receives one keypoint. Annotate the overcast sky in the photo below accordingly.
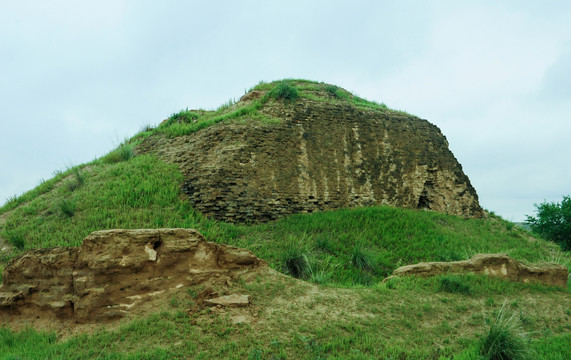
(77, 77)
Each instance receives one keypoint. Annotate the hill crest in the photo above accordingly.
(317, 147)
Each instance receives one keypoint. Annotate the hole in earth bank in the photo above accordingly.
(157, 244)
(423, 202)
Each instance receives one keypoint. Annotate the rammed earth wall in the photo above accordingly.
(321, 156)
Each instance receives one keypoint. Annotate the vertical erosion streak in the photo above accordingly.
(348, 170)
(365, 193)
(304, 179)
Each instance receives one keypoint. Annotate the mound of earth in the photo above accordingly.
(119, 273)
(320, 155)
(499, 265)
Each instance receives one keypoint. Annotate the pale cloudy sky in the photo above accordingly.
(77, 77)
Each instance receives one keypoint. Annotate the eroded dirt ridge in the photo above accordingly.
(117, 272)
(321, 156)
(498, 265)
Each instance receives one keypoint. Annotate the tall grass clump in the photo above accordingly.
(295, 261)
(15, 239)
(506, 339)
(361, 259)
(78, 180)
(78, 176)
(284, 91)
(123, 153)
(67, 207)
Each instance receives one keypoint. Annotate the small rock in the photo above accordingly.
(233, 300)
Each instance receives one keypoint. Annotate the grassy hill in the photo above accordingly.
(339, 311)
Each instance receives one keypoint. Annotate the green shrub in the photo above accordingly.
(505, 339)
(553, 221)
(284, 91)
(67, 207)
(454, 284)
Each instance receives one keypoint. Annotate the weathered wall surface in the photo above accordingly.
(322, 156)
(498, 265)
(115, 273)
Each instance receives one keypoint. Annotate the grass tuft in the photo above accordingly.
(15, 239)
(184, 116)
(361, 259)
(78, 180)
(123, 153)
(506, 339)
(67, 207)
(295, 261)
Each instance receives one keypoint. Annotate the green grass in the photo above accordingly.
(122, 153)
(454, 284)
(410, 320)
(355, 246)
(295, 260)
(286, 91)
(506, 339)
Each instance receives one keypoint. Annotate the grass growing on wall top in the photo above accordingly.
(287, 91)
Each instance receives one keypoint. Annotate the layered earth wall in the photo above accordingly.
(321, 155)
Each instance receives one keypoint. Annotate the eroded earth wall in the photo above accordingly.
(320, 156)
(115, 273)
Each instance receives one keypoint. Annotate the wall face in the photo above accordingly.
(321, 156)
(116, 273)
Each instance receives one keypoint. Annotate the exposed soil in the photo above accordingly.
(118, 274)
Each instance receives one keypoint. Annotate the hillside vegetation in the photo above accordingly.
(341, 311)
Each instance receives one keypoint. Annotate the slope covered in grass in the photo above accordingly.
(348, 246)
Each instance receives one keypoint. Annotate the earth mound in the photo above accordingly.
(118, 273)
(322, 151)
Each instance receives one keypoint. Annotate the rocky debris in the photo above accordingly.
(499, 265)
(118, 272)
(321, 156)
(233, 300)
